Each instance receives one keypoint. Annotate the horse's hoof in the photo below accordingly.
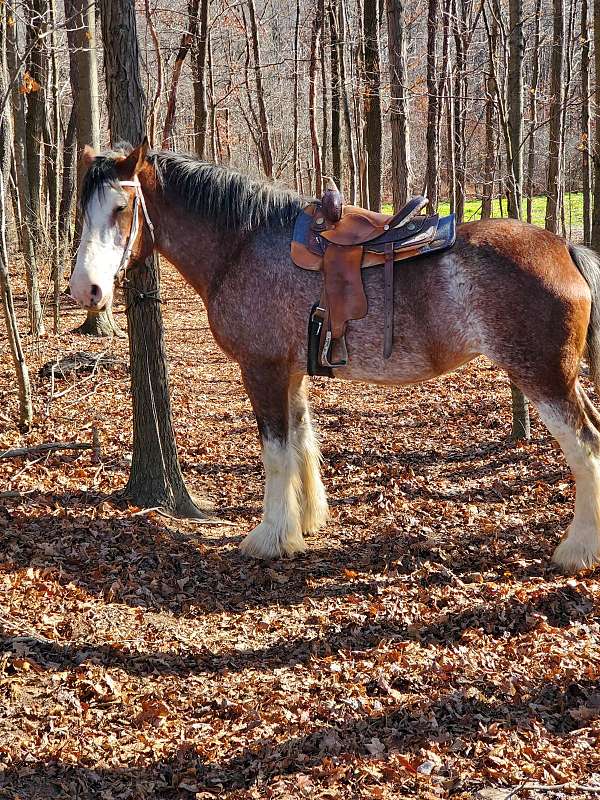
(267, 542)
(574, 556)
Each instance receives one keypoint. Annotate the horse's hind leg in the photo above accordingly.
(574, 422)
(280, 531)
(313, 502)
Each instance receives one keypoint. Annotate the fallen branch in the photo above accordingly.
(548, 787)
(45, 448)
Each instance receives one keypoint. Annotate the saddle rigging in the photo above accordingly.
(340, 241)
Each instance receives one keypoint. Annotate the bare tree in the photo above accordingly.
(554, 187)
(372, 135)
(586, 166)
(83, 72)
(23, 85)
(185, 44)
(401, 178)
(155, 478)
(199, 52)
(596, 205)
(433, 108)
(265, 148)
(6, 295)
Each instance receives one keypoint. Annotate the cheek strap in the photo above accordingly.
(135, 224)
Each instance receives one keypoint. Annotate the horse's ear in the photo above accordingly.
(132, 164)
(88, 156)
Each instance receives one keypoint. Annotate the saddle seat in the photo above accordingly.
(343, 242)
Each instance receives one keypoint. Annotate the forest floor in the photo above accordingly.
(424, 646)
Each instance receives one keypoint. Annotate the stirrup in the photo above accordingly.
(326, 351)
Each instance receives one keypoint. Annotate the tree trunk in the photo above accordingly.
(350, 149)
(491, 146)
(297, 170)
(337, 146)
(184, 45)
(54, 171)
(266, 151)
(433, 110)
(372, 103)
(312, 74)
(155, 478)
(401, 178)
(459, 106)
(585, 123)
(68, 189)
(83, 71)
(521, 426)
(515, 109)
(325, 127)
(199, 72)
(535, 75)
(553, 207)
(37, 67)
(10, 317)
(596, 206)
(29, 222)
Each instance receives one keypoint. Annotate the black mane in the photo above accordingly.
(227, 198)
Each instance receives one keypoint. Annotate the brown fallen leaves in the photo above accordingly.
(423, 648)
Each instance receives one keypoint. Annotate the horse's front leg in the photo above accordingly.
(280, 532)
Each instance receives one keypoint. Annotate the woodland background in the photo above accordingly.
(424, 647)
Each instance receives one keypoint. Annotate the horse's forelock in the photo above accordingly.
(102, 172)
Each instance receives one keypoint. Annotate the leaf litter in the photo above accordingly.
(424, 647)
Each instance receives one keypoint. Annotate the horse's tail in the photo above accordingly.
(588, 263)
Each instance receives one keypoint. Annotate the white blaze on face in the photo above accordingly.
(100, 251)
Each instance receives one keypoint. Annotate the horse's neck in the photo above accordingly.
(192, 245)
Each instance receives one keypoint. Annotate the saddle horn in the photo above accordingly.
(332, 201)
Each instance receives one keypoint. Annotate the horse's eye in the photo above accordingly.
(120, 208)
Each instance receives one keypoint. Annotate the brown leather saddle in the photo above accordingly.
(340, 241)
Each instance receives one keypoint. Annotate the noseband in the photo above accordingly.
(138, 201)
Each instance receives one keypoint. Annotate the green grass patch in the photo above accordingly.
(573, 210)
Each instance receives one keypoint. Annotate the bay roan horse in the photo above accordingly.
(510, 291)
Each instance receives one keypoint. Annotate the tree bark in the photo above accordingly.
(37, 66)
(83, 72)
(596, 206)
(535, 75)
(521, 426)
(337, 141)
(491, 146)
(155, 478)
(266, 151)
(553, 207)
(28, 220)
(372, 137)
(585, 123)
(516, 44)
(401, 178)
(184, 46)
(312, 74)
(350, 149)
(297, 170)
(10, 317)
(433, 109)
(199, 72)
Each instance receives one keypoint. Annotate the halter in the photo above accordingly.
(137, 201)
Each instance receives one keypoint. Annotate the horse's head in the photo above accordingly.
(116, 227)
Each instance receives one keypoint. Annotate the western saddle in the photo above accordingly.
(340, 241)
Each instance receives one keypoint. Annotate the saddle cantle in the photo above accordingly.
(340, 246)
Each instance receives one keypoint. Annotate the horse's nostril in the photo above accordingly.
(95, 292)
